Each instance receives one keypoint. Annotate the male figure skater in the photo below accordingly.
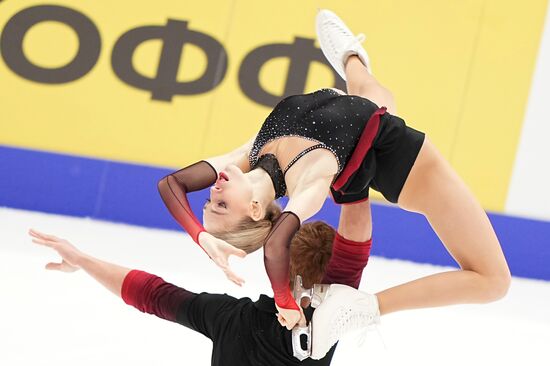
(244, 332)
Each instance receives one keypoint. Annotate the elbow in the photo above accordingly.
(163, 186)
(162, 183)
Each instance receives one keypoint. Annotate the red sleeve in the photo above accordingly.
(174, 188)
(151, 294)
(347, 262)
(277, 258)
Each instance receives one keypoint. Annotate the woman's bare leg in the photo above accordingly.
(360, 82)
(434, 189)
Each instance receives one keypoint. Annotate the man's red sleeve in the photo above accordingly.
(347, 262)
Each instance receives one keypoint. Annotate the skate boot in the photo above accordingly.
(342, 310)
(338, 42)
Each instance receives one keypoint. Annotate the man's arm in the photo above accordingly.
(356, 222)
(351, 246)
(146, 292)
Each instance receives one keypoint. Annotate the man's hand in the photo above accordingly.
(219, 251)
(290, 317)
(69, 254)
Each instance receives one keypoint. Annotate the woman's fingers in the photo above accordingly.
(281, 319)
(291, 323)
(233, 277)
(237, 280)
(229, 249)
(283, 322)
(239, 252)
(220, 256)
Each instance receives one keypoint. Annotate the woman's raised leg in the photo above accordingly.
(434, 189)
(362, 83)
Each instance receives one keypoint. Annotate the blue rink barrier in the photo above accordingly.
(127, 193)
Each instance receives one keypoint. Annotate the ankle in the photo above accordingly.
(354, 64)
(350, 60)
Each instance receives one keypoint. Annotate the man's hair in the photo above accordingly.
(310, 252)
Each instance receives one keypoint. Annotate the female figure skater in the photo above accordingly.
(342, 144)
(243, 332)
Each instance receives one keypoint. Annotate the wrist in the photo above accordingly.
(203, 240)
(285, 300)
(80, 260)
(196, 237)
(342, 239)
(201, 237)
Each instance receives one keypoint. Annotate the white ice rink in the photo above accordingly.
(52, 318)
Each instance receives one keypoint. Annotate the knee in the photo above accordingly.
(497, 286)
(390, 103)
(381, 96)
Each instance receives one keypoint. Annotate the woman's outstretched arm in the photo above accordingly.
(174, 188)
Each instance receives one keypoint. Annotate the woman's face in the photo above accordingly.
(230, 199)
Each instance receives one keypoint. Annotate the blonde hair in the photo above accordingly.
(310, 249)
(250, 235)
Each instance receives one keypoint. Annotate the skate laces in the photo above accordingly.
(354, 43)
(360, 38)
(348, 320)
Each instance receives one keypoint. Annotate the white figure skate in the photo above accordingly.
(338, 42)
(343, 309)
(339, 309)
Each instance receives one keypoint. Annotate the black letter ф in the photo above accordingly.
(173, 36)
(301, 53)
(11, 44)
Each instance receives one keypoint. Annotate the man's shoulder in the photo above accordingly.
(265, 304)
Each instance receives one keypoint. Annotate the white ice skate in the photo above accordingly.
(343, 309)
(338, 42)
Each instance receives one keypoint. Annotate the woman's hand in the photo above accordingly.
(219, 251)
(69, 254)
(290, 317)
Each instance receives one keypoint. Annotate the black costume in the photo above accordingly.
(243, 332)
(372, 147)
(351, 127)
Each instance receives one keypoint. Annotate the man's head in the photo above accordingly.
(310, 252)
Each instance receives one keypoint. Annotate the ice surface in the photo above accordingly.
(52, 318)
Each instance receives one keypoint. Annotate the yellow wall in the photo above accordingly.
(460, 70)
